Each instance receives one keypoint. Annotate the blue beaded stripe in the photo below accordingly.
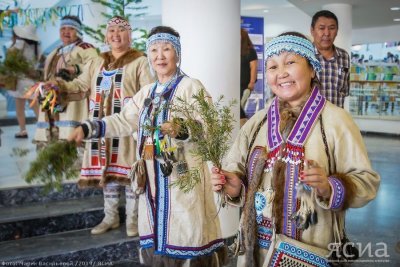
(162, 205)
(293, 44)
(102, 128)
(192, 252)
(338, 193)
(146, 241)
(67, 123)
(42, 125)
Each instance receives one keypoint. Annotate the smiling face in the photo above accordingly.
(163, 59)
(118, 38)
(68, 35)
(289, 77)
(324, 33)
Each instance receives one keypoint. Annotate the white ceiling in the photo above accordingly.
(366, 13)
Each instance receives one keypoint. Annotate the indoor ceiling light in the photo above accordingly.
(356, 47)
(396, 19)
(395, 8)
(265, 10)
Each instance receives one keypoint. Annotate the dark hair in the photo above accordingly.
(29, 42)
(326, 14)
(75, 18)
(245, 42)
(164, 29)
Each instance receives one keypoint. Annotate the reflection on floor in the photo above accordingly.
(374, 228)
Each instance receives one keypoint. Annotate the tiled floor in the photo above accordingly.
(12, 166)
(374, 228)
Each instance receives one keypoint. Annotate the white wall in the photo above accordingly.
(376, 35)
(292, 20)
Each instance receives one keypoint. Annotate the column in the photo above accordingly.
(210, 39)
(343, 13)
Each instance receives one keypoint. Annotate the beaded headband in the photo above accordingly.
(116, 21)
(293, 44)
(165, 38)
(73, 24)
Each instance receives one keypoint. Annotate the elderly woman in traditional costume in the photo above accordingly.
(176, 228)
(110, 81)
(65, 62)
(298, 164)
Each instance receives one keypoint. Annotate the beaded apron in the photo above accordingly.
(293, 154)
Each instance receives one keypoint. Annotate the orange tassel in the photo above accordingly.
(148, 151)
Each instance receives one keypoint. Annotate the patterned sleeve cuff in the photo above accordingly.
(336, 199)
(94, 129)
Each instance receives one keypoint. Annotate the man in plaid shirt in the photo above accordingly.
(335, 73)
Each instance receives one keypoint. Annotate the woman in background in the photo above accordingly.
(248, 70)
(25, 40)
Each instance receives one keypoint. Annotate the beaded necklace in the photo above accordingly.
(154, 113)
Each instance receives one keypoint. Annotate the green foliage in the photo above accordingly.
(186, 182)
(15, 64)
(210, 126)
(53, 164)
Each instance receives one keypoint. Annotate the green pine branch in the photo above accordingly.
(210, 126)
(53, 164)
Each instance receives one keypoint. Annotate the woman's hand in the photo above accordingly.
(77, 135)
(229, 181)
(315, 176)
(170, 128)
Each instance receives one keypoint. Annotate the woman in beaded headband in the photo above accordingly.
(166, 36)
(297, 165)
(109, 81)
(176, 228)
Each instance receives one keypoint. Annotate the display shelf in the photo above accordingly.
(375, 91)
(375, 99)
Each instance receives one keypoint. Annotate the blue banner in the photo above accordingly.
(255, 27)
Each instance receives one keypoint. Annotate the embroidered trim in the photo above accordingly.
(253, 160)
(191, 252)
(338, 192)
(146, 241)
(91, 172)
(98, 149)
(296, 254)
(264, 233)
(291, 152)
(118, 169)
